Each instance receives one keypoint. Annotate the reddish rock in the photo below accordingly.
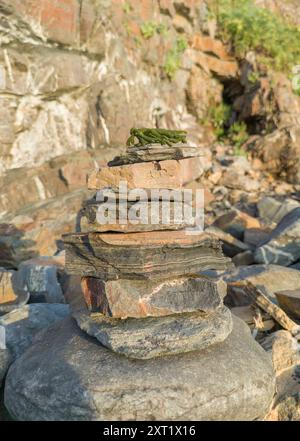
(137, 298)
(212, 64)
(210, 45)
(163, 174)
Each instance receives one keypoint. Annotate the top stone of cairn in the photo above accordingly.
(155, 145)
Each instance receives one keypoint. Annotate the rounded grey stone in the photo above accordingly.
(66, 375)
(155, 336)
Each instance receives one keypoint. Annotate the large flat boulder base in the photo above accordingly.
(66, 375)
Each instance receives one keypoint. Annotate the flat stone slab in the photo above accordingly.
(141, 216)
(66, 375)
(156, 336)
(170, 174)
(165, 254)
(138, 298)
(155, 152)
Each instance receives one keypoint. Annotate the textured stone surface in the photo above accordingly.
(142, 255)
(5, 360)
(156, 336)
(282, 247)
(284, 348)
(270, 210)
(39, 277)
(11, 295)
(137, 298)
(232, 380)
(268, 278)
(235, 222)
(22, 324)
(165, 174)
(289, 301)
(141, 215)
(155, 152)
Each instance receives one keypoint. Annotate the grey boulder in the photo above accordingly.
(5, 360)
(21, 325)
(66, 375)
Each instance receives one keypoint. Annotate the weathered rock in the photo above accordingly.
(289, 301)
(256, 236)
(11, 295)
(39, 277)
(156, 336)
(254, 317)
(235, 222)
(22, 324)
(142, 255)
(5, 360)
(283, 244)
(165, 174)
(155, 152)
(272, 211)
(286, 409)
(284, 348)
(268, 278)
(88, 382)
(231, 245)
(244, 258)
(136, 298)
(141, 215)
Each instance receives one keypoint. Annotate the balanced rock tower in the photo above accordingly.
(169, 348)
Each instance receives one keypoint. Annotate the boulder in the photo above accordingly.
(282, 247)
(284, 348)
(138, 298)
(268, 278)
(66, 375)
(22, 324)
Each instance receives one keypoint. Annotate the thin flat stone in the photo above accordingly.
(110, 256)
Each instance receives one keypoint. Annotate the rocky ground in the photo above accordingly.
(112, 69)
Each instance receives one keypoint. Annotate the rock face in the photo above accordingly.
(22, 324)
(232, 380)
(283, 244)
(152, 337)
(136, 298)
(142, 255)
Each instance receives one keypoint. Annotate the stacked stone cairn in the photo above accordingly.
(169, 349)
(142, 295)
